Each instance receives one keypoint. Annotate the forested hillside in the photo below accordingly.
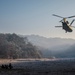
(13, 46)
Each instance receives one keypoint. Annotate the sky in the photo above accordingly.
(28, 17)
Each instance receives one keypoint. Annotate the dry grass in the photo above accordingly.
(28, 72)
(40, 67)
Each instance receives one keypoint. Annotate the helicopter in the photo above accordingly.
(65, 24)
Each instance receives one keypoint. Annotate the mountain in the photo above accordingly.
(14, 46)
(50, 43)
(58, 47)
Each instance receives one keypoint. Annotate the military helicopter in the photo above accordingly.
(65, 24)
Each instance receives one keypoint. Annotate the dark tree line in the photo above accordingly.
(13, 46)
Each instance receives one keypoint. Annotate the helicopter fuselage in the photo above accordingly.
(66, 27)
(65, 24)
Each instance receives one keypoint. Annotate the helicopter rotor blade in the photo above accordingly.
(58, 26)
(72, 22)
(73, 26)
(57, 16)
(71, 16)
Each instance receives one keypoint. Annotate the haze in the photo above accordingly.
(35, 17)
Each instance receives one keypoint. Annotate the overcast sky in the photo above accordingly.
(35, 17)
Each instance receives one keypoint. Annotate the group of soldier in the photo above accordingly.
(6, 66)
